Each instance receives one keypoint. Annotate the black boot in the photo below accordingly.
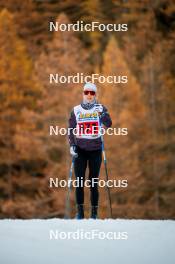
(80, 211)
(94, 210)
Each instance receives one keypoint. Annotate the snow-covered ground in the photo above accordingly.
(105, 241)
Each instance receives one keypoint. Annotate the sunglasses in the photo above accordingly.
(91, 92)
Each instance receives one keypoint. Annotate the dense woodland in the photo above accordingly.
(29, 156)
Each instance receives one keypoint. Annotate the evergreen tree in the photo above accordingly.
(64, 56)
(124, 102)
(158, 98)
(19, 93)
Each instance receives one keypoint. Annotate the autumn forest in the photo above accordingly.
(30, 104)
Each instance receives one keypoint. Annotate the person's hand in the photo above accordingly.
(99, 109)
(73, 152)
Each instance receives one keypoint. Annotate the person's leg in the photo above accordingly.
(95, 159)
(80, 166)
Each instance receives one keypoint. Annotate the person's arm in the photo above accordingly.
(72, 125)
(105, 118)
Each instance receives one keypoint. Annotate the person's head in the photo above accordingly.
(89, 92)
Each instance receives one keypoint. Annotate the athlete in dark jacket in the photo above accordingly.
(86, 145)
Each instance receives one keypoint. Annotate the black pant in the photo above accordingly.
(93, 160)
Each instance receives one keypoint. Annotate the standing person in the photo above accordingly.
(86, 144)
